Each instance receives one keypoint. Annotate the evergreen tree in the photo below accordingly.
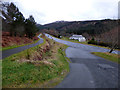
(13, 17)
(30, 27)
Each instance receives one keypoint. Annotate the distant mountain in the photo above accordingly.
(57, 25)
(40, 26)
(80, 27)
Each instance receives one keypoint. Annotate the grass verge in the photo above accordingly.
(20, 73)
(108, 56)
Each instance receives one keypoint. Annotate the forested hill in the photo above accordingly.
(80, 27)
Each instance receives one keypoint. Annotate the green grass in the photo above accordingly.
(65, 46)
(0, 48)
(15, 46)
(26, 74)
(108, 56)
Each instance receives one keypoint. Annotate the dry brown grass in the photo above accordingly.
(8, 40)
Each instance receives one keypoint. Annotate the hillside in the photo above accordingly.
(79, 27)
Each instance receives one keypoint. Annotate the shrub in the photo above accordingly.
(92, 42)
(98, 43)
(103, 44)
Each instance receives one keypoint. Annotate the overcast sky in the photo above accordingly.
(47, 11)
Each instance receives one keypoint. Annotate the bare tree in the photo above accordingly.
(87, 36)
(111, 38)
(108, 34)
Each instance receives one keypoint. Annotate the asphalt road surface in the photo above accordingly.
(9, 52)
(86, 69)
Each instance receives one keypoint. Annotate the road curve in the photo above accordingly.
(9, 52)
(82, 46)
(86, 69)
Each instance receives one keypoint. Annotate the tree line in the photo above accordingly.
(16, 23)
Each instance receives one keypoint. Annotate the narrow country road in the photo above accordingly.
(9, 52)
(86, 69)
